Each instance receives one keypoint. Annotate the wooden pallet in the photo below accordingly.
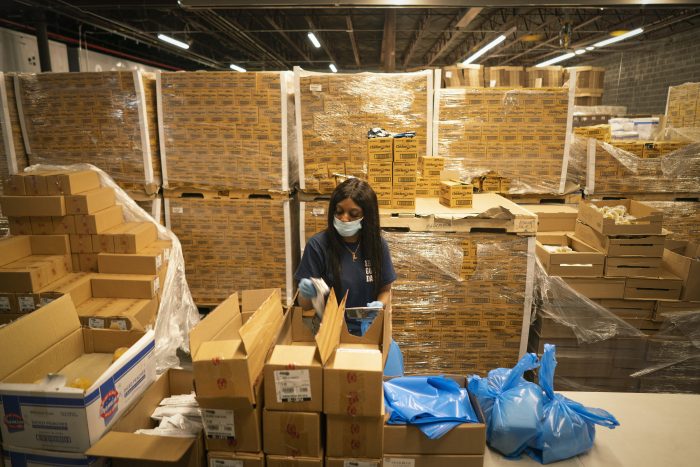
(224, 194)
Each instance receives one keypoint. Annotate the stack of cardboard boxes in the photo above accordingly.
(428, 184)
(380, 160)
(456, 194)
(392, 166)
(505, 77)
(683, 107)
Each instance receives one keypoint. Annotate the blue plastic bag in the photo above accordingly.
(394, 361)
(512, 406)
(435, 404)
(568, 428)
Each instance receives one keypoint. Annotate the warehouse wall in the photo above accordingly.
(639, 78)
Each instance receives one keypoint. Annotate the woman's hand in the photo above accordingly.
(375, 304)
(307, 289)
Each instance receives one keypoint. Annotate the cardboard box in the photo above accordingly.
(684, 263)
(235, 459)
(584, 261)
(77, 285)
(118, 313)
(227, 355)
(456, 194)
(41, 225)
(352, 462)
(623, 245)
(598, 287)
(35, 184)
(100, 221)
(28, 263)
(20, 225)
(14, 185)
(91, 201)
(292, 433)
(87, 262)
(352, 365)
(23, 457)
(555, 218)
(405, 145)
(27, 206)
(379, 145)
(294, 372)
(73, 182)
(631, 266)
(63, 225)
(123, 447)
(147, 261)
(417, 460)
(8, 302)
(124, 286)
(135, 237)
(354, 437)
(51, 340)
(288, 461)
(665, 287)
(649, 220)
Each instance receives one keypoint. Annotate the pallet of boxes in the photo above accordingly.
(614, 257)
(79, 287)
(392, 170)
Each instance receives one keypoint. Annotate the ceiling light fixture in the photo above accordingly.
(314, 41)
(175, 42)
(580, 51)
(554, 60)
(239, 69)
(333, 68)
(590, 47)
(485, 49)
(622, 37)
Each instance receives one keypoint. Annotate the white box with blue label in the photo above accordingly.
(63, 386)
(23, 457)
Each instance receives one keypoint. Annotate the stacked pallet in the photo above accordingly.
(683, 106)
(227, 180)
(590, 82)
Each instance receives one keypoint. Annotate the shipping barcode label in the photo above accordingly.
(5, 304)
(315, 88)
(45, 301)
(96, 323)
(120, 324)
(318, 211)
(225, 463)
(218, 424)
(177, 210)
(398, 462)
(292, 386)
(356, 463)
(26, 304)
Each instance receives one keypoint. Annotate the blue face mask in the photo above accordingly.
(347, 229)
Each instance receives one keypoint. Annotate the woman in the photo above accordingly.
(350, 255)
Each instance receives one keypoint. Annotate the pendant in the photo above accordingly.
(354, 257)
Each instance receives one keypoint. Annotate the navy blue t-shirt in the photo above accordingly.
(356, 275)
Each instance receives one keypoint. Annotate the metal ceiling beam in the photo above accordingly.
(389, 41)
(322, 39)
(353, 41)
(507, 28)
(286, 37)
(412, 3)
(423, 24)
(448, 40)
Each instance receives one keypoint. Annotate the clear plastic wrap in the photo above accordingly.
(673, 355)
(105, 118)
(650, 170)
(177, 313)
(234, 244)
(225, 130)
(681, 218)
(518, 133)
(613, 110)
(335, 111)
(682, 109)
(459, 299)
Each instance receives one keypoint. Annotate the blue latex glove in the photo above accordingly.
(307, 289)
(375, 304)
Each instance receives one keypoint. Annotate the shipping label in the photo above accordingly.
(292, 386)
(218, 424)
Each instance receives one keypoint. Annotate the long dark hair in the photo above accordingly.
(370, 236)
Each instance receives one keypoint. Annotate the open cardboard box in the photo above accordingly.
(649, 220)
(294, 373)
(584, 261)
(682, 259)
(124, 447)
(554, 217)
(42, 413)
(633, 266)
(598, 287)
(666, 286)
(352, 365)
(651, 246)
(228, 356)
(30, 262)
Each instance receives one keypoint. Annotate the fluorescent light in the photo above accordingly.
(590, 47)
(580, 51)
(333, 68)
(485, 49)
(314, 41)
(624, 36)
(175, 42)
(237, 68)
(558, 59)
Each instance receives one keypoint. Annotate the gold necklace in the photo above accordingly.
(353, 253)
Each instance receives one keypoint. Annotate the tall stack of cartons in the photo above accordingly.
(405, 173)
(293, 420)
(505, 77)
(683, 106)
(227, 179)
(229, 349)
(545, 77)
(428, 184)
(380, 161)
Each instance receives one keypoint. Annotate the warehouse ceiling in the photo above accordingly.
(368, 35)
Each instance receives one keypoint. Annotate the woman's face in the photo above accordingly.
(347, 210)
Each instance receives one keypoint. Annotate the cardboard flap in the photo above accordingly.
(141, 447)
(211, 326)
(262, 327)
(328, 335)
(251, 300)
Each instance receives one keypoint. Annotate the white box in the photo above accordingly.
(23, 457)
